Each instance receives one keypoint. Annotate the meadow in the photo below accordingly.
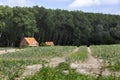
(12, 65)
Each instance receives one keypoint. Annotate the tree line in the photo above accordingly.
(60, 26)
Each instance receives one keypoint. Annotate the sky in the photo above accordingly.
(96, 6)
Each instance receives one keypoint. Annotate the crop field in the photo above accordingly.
(57, 74)
(13, 65)
(35, 53)
(80, 55)
(110, 54)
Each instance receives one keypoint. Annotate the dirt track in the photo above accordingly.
(90, 66)
(56, 60)
(93, 66)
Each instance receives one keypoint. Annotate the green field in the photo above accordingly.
(80, 55)
(12, 65)
(57, 74)
(110, 54)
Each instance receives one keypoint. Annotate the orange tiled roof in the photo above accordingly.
(30, 40)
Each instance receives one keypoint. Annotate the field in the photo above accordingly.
(79, 55)
(13, 65)
(110, 54)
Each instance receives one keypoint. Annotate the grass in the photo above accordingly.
(39, 52)
(10, 69)
(11, 65)
(109, 53)
(80, 55)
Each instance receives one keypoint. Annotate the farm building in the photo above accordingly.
(49, 43)
(29, 41)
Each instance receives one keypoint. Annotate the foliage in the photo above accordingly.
(60, 26)
(42, 44)
(63, 66)
(10, 69)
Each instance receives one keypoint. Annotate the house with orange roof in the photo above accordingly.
(29, 41)
(49, 43)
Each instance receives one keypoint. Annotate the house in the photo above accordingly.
(49, 43)
(29, 41)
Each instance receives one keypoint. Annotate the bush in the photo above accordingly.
(42, 44)
(63, 66)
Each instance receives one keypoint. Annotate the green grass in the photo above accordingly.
(11, 64)
(39, 52)
(80, 55)
(109, 53)
(10, 69)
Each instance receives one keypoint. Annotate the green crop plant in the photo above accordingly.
(80, 55)
(11, 64)
(48, 73)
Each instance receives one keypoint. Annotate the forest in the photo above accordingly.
(63, 27)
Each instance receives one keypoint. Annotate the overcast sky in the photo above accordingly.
(98, 6)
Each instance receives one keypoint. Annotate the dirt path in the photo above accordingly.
(93, 66)
(90, 66)
(56, 60)
(92, 60)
